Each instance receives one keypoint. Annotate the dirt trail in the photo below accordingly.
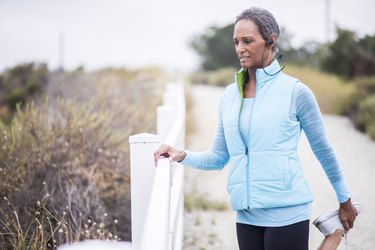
(216, 229)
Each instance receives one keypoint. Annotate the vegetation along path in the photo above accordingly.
(209, 222)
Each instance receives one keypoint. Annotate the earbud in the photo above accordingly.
(269, 42)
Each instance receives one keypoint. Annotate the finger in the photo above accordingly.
(157, 153)
(351, 222)
(173, 157)
(345, 225)
(160, 151)
(156, 157)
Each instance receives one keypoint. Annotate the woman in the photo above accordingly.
(260, 120)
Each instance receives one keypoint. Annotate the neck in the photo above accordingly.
(266, 58)
(250, 84)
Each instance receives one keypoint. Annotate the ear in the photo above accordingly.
(271, 40)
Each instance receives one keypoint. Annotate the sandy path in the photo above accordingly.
(216, 230)
(207, 229)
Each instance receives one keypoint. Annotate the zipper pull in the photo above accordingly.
(246, 151)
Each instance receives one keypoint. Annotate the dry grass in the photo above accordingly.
(328, 89)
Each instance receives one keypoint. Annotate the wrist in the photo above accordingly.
(182, 156)
(346, 201)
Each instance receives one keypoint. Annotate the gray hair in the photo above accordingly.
(262, 18)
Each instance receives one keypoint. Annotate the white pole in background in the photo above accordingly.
(61, 50)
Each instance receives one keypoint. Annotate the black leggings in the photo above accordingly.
(291, 237)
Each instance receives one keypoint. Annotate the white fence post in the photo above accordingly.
(142, 171)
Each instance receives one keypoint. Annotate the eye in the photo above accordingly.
(248, 41)
(235, 42)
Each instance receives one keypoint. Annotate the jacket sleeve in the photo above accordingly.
(214, 159)
(309, 115)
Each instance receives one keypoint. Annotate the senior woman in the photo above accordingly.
(260, 120)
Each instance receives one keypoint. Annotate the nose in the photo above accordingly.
(240, 48)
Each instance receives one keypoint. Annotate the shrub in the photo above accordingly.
(76, 153)
(73, 145)
(359, 106)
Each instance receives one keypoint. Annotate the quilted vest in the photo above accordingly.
(268, 173)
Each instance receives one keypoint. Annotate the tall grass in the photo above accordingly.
(44, 230)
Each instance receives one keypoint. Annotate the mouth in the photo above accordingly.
(244, 58)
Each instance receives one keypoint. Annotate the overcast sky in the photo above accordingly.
(136, 33)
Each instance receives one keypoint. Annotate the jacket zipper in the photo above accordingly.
(247, 178)
(246, 149)
(248, 153)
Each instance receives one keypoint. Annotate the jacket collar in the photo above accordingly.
(261, 75)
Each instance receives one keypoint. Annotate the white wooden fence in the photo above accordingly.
(157, 193)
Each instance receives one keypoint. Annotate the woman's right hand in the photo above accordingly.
(169, 152)
(347, 214)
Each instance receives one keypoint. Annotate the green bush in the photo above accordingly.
(18, 84)
(16, 95)
(360, 105)
(367, 114)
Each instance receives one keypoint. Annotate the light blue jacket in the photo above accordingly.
(268, 173)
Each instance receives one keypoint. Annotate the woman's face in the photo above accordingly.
(249, 44)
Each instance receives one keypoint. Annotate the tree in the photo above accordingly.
(215, 47)
(341, 53)
(349, 56)
(365, 64)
